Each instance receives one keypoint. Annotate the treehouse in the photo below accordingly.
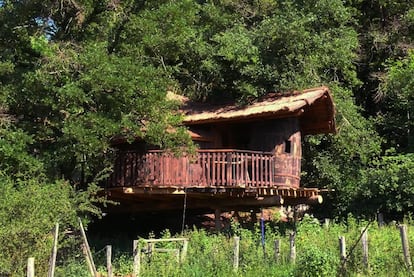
(248, 157)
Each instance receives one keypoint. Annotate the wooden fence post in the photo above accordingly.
(405, 245)
(326, 223)
(236, 253)
(342, 249)
(137, 258)
(380, 219)
(292, 256)
(87, 248)
(30, 267)
(364, 240)
(277, 250)
(184, 250)
(52, 261)
(109, 260)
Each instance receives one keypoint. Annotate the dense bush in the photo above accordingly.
(30, 205)
(28, 213)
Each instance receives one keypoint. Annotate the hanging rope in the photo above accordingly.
(184, 209)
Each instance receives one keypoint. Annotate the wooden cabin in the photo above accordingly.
(248, 157)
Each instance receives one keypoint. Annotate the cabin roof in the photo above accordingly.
(314, 107)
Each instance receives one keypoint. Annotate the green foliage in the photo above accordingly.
(73, 268)
(78, 99)
(280, 45)
(41, 45)
(76, 74)
(30, 205)
(398, 102)
(316, 247)
(16, 161)
(28, 212)
(316, 262)
(390, 186)
(339, 161)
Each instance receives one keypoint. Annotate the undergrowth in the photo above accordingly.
(317, 248)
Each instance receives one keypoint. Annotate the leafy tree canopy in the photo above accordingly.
(76, 74)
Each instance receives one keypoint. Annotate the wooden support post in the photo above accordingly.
(292, 256)
(380, 219)
(137, 258)
(253, 216)
(364, 240)
(87, 248)
(109, 260)
(217, 219)
(184, 250)
(30, 267)
(342, 249)
(236, 253)
(52, 261)
(405, 245)
(277, 250)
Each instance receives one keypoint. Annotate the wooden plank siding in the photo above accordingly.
(206, 168)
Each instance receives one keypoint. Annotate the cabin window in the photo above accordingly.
(288, 146)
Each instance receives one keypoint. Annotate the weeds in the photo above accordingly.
(317, 247)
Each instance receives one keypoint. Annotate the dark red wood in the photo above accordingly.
(207, 168)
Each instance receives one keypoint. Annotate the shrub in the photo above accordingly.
(314, 262)
(28, 213)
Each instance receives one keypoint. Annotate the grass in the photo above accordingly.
(317, 247)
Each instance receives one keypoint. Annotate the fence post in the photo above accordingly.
(326, 223)
(380, 219)
(184, 250)
(109, 260)
(342, 249)
(405, 245)
(292, 256)
(87, 248)
(236, 253)
(52, 262)
(30, 267)
(277, 250)
(137, 258)
(364, 240)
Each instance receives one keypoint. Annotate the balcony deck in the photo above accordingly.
(225, 178)
(207, 168)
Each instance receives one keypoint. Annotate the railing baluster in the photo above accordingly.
(207, 167)
(266, 170)
(238, 167)
(257, 167)
(228, 168)
(215, 167)
(248, 178)
(224, 169)
(253, 170)
(161, 170)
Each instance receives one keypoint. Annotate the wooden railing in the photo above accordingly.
(206, 168)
